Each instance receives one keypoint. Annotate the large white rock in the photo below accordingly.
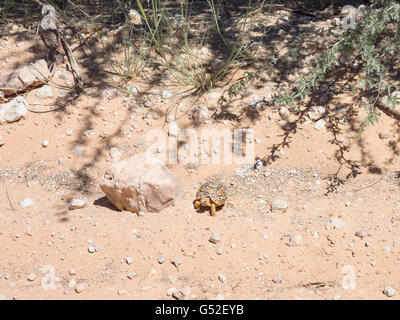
(141, 183)
(29, 76)
(13, 110)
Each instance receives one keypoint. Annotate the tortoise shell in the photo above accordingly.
(211, 192)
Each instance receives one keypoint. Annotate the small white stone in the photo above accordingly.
(128, 260)
(170, 291)
(361, 234)
(45, 143)
(334, 223)
(31, 276)
(121, 292)
(222, 278)
(91, 249)
(79, 288)
(319, 125)
(284, 113)
(214, 238)
(69, 132)
(27, 202)
(161, 259)
(389, 291)
(277, 279)
(44, 92)
(279, 204)
(176, 262)
(76, 204)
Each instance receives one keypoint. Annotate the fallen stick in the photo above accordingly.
(369, 185)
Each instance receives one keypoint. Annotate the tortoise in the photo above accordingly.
(210, 194)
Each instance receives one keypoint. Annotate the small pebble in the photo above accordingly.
(76, 204)
(214, 238)
(31, 276)
(222, 278)
(161, 259)
(79, 288)
(389, 291)
(176, 262)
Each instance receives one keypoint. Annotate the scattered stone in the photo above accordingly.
(121, 292)
(215, 238)
(294, 240)
(389, 291)
(141, 183)
(319, 125)
(72, 272)
(69, 133)
(13, 110)
(128, 260)
(31, 277)
(284, 113)
(170, 291)
(222, 278)
(79, 288)
(161, 259)
(334, 223)
(76, 204)
(279, 204)
(91, 249)
(45, 143)
(131, 275)
(219, 297)
(277, 279)
(44, 92)
(27, 202)
(181, 294)
(176, 262)
(361, 234)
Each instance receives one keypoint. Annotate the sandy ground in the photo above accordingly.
(331, 242)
